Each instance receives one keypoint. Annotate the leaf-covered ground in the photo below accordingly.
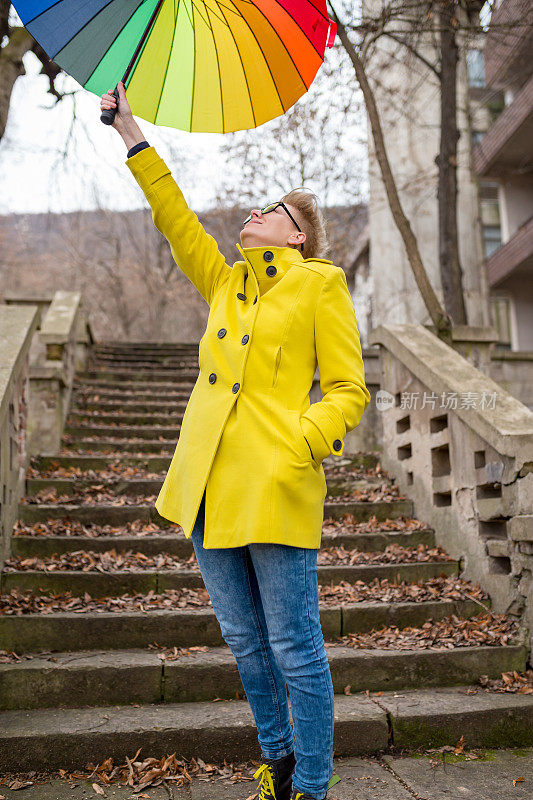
(449, 633)
(332, 527)
(102, 493)
(129, 561)
(377, 591)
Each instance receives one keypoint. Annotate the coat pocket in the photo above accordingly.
(276, 366)
(302, 445)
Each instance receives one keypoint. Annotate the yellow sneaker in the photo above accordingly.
(296, 795)
(276, 778)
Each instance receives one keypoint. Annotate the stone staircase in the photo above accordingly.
(108, 641)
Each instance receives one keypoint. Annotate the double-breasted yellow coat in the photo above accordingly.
(250, 435)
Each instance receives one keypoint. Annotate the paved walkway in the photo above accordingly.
(428, 777)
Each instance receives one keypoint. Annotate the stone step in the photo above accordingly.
(80, 416)
(152, 356)
(178, 545)
(156, 388)
(166, 392)
(173, 376)
(161, 463)
(118, 422)
(112, 584)
(113, 446)
(149, 486)
(116, 364)
(80, 407)
(108, 514)
(136, 356)
(140, 676)
(150, 463)
(137, 431)
(50, 739)
(189, 627)
(144, 347)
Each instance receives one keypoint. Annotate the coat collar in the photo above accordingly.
(283, 258)
(279, 259)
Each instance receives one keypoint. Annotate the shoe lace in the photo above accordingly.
(266, 787)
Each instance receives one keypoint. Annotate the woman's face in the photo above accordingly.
(274, 228)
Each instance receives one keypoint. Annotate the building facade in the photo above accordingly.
(408, 98)
(503, 160)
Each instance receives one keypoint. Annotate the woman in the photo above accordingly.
(246, 481)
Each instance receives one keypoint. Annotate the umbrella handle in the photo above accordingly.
(108, 116)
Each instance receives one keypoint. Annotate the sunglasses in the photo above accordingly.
(272, 207)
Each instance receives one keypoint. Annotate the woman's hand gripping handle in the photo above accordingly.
(117, 112)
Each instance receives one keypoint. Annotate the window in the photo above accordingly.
(500, 311)
(492, 239)
(475, 65)
(490, 216)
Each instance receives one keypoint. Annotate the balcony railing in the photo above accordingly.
(514, 255)
(506, 147)
(508, 59)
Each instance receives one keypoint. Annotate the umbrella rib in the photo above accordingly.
(219, 72)
(282, 43)
(168, 59)
(233, 10)
(207, 22)
(243, 72)
(302, 30)
(89, 76)
(194, 65)
(53, 55)
(42, 12)
(286, 50)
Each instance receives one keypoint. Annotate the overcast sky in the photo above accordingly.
(58, 157)
(35, 177)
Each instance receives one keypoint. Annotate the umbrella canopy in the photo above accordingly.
(203, 65)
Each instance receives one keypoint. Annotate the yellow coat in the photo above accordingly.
(249, 433)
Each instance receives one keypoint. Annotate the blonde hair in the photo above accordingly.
(311, 221)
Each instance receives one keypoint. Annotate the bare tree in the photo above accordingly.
(15, 42)
(431, 31)
(317, 143)
(436, 312)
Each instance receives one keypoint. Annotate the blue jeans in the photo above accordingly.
(265, 597)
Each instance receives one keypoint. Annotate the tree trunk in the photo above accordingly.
(439, 317)
(11, 68)
(450, 266)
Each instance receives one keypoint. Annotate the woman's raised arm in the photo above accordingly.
(194, 251)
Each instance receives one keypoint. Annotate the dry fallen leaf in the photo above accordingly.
(98, 789)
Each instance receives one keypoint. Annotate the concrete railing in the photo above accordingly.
(61, 350)
(513, 370)
(462, 448)
(17, 327)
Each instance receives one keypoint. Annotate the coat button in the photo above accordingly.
(255, 300)
(271, 271)
(212, 377)
(235, 388)
(222, 332)
(268, 255)
(337, 444)
(241, 296)
(245, 338)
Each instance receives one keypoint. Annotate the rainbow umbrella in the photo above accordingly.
(197, 65)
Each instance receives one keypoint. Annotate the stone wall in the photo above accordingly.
(462, 448)
(17, 327)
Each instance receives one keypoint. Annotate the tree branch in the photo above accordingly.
(439, 317)
(414, 52)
